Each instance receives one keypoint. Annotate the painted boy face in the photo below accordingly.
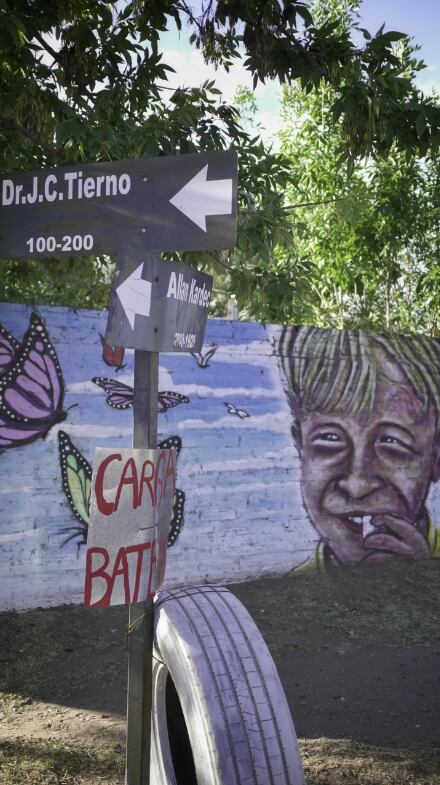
(365, 478)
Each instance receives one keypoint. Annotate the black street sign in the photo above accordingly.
(168, 203)
(158, 306)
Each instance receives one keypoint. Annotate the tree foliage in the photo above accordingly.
(299, 40)
(75, 77)
(86, 81)
(364, 244)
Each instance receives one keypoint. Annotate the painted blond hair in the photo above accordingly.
(336, 370)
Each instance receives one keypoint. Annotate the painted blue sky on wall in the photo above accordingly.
(243, 513)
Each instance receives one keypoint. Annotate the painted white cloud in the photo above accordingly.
(274, 422)
(284, 458)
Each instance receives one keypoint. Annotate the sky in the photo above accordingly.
(420, 19)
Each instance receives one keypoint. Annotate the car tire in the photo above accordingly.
(220, 716)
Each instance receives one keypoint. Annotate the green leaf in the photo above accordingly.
(421, 124)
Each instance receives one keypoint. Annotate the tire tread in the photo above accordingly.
(248, 717)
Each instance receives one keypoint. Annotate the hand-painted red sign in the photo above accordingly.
(131, 510)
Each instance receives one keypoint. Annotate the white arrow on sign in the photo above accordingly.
(201, 197)
(135, 295)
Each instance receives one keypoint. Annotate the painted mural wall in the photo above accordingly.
(298, 448)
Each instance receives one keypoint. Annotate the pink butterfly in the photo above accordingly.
(120, 396)
(31, 387)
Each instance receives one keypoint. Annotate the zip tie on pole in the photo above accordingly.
(133, 626)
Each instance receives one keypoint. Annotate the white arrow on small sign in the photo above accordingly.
(201, 197)
(175, 298)
(135, 295)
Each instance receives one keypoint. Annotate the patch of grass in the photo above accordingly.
(57, 763)
(345, 762)
(326, 762)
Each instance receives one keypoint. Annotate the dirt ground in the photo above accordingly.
(358, 653)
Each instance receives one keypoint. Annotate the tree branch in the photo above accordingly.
(288, 207)
(12, 125)
(47, 46)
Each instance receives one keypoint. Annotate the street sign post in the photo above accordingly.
(168, 203)
(132, 208)
(158, 306)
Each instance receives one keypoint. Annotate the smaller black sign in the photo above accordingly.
(158, 306)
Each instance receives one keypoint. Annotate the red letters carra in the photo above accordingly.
(165, 468)
(146, 480)
(103, 505)
(155, 477)
(128, 479)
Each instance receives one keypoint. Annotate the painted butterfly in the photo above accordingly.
(31, 390)
(177, 520)
(9, 347)
(112, 355)
(203, 359)
(76, 475)
(233, 410)
(120, 396)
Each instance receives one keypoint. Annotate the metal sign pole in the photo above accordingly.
(140, 638)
